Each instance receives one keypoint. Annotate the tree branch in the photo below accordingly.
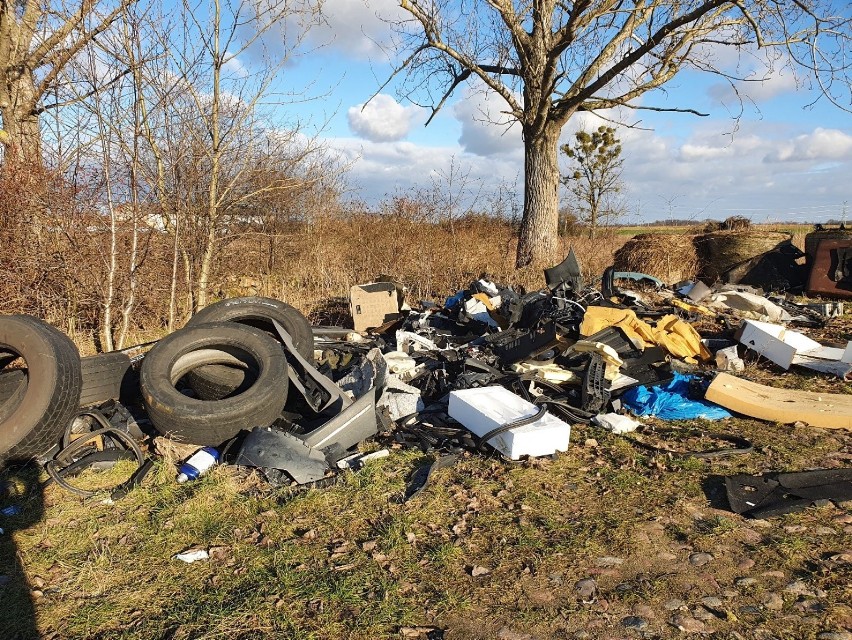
(464, 75)
(61, 58)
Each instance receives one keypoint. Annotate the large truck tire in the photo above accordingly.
(260, 312)
(215, 382)
(34, 417)
(12, 382)
(219, 381)
(107, 376)
(212, 422)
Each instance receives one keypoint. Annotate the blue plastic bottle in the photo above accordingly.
(198, 464)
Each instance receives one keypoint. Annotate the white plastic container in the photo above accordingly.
(198, 464)
(486, 408)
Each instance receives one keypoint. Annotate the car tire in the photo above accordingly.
(212, 422)
(107, 376)
(34, 417)
(260, 312)
(219, 381)
(215, 382)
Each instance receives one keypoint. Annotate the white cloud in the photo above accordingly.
(765, 75)
(821, 145)
(383, 119)
(705, 174)
(357, 27)
(234, 68)
(757, 88)
(382, 168)
(486, 130)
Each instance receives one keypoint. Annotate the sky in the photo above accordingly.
(773, 157)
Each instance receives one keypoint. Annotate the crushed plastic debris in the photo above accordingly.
(616, 423)
(490, 368)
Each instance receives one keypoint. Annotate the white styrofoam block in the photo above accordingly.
(483, 409)
(785, 347)
(775, 342)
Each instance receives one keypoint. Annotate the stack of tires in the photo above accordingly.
(224, 372)
(231, 360)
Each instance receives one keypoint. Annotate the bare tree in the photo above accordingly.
(210, 124)
(38, 39)
(549, 59)
(106, 121)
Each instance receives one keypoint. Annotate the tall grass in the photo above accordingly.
(319, 263)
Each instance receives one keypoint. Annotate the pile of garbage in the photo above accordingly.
(490, 370)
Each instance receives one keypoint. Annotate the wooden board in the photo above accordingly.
(827, 410)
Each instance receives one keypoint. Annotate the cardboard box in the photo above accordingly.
(373, 304)
(483, 409)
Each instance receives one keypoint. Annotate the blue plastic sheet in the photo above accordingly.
(454, 300)
(671, 402)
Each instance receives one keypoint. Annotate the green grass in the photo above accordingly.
(352, 561)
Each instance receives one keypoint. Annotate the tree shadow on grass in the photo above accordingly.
(20, 491)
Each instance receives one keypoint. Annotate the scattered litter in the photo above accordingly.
(192, 555)
(831, 269)
(408, 342)
(198, 464)
(401, 399)
(370, 374)
(831, 411)
(774, 494)
(728, 359)
(546, 371)
(358, 460)
(616, 423)
(673, 334)
(512, 425)
(399, 363)
(422, 476)
(491, 368)
(374, 304)
(786, 347)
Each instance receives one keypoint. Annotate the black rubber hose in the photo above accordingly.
(69, 448)
(741, 445)
(511, 425)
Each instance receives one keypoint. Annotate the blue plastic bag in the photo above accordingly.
(671, 402)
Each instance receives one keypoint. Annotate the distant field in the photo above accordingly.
(633, 230)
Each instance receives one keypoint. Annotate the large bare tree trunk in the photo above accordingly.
(21, 125)
(540, 224)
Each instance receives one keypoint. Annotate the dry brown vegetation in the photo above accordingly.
(56, 249)
(56, 257)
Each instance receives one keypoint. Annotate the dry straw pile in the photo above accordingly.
(720, 250)
(671, 257)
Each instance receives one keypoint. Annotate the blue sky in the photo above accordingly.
(779, 161)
